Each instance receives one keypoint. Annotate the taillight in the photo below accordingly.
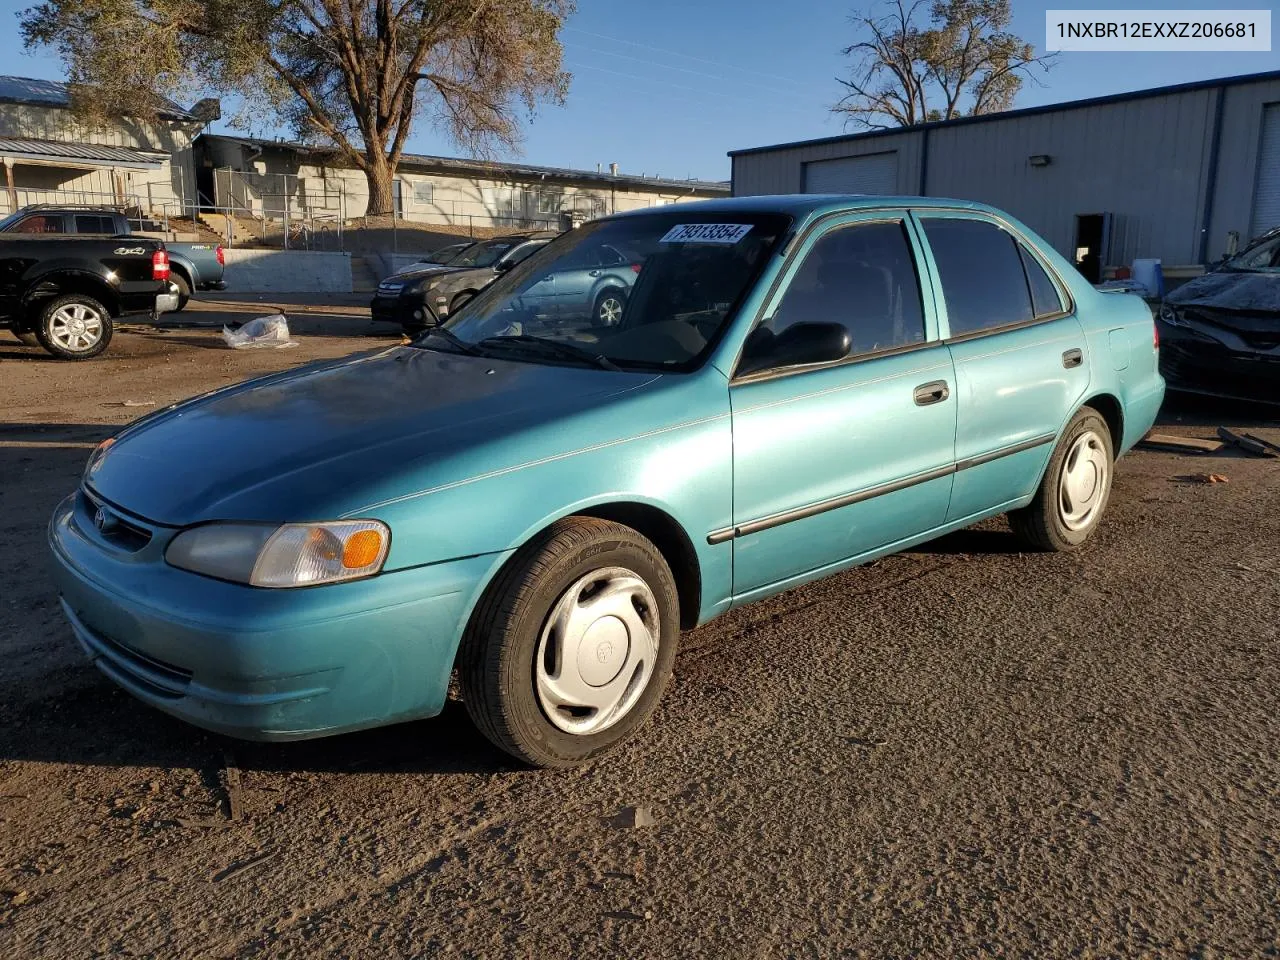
(222, 257)
(160, 265)
(635, 267)
(1155, 330)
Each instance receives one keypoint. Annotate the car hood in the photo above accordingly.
(426, 270)
(1231, 290)
(316, 443)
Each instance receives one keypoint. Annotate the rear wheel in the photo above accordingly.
(74, 327)
(184, 289)
(1075, 490)
(570, 648)
(608, 307)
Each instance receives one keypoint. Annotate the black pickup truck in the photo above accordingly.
(192, 266)
(65, 292)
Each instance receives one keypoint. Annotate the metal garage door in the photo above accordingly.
(876, 173)
(1266, 199)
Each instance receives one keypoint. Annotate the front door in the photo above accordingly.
(835, 461)
(1020, 356)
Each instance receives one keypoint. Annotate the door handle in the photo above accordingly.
(1073, 358)
(594, 273)
(934, 392)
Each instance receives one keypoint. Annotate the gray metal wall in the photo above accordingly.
(1145, 161)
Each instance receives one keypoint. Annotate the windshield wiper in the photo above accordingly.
(452, 338)
(558, 347)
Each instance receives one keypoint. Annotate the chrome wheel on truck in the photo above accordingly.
(74, 327)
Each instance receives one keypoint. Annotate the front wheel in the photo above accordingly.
(1075, 490)
(74, 327)
(571, 646)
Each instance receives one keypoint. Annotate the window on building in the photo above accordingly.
(88, 223)
(1045, 298)
(862, 276)
(423, 191)
(549, 201)
(983, 281)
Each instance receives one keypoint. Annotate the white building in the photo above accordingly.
(267, 177)
(51, 157)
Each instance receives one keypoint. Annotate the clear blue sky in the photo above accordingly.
(668, 86)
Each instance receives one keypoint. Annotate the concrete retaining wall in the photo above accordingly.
(288, 271)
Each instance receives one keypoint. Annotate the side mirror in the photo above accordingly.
(798, 345)
(502, 266)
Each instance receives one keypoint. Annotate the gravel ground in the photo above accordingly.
(960, 751)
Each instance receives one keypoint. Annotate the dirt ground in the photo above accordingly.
(961, 751)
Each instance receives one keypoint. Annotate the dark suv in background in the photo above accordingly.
(425, 294)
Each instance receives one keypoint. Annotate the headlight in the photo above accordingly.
(1170, 316)
(292, 555)
(95, 458)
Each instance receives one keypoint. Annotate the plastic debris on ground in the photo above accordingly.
(259, 333)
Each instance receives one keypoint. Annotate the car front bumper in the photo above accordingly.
(262, 664)
(410, 313)
(1198, 363)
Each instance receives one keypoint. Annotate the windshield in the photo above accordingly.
(647, 292)
(482, 254)
(1264, 256)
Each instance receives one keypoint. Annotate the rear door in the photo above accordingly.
(1020, 355)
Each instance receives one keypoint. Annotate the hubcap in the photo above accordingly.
(1086, 474)
(610, 311)
(597, 651)
(75, 326)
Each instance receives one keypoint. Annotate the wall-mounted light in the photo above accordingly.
(1040, 159)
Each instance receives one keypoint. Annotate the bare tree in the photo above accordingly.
(352, 74)
(962, 59)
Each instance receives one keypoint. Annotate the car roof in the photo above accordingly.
(805, 205)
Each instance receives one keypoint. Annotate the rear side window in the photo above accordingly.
(1044, 295)
(864, 277)
(983, 279)
(88, 223)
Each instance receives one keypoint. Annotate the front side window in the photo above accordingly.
(690, 273)
(862, 277)
(40, 223)
(983, 280)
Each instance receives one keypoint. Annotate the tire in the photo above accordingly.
(512, 669)
(607, 309)
(1075, 490)
(184, 290)
(74, 327)
(460, 301)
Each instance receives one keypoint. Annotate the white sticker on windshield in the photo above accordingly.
(725, 233)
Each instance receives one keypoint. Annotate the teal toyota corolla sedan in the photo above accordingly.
(541, 503)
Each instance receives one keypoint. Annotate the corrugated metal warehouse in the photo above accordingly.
(1170, 172)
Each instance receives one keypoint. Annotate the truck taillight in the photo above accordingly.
(1156, 328)
(222, 257)
(160, 265)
